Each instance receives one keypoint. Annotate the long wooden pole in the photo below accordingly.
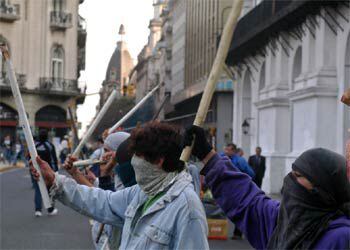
(216, 70)
(24, 123)
(346, 100)
(133, 110)
(96, 121)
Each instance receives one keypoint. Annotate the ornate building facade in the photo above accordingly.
(291, 69)
(46, 39)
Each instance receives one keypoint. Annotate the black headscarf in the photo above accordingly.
(124, 169)
(304, 215)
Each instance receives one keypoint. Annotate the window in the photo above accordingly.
(297, 63)
(2, 62)
(58, 5)
(57, 62)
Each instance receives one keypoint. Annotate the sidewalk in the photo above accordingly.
(6, 167)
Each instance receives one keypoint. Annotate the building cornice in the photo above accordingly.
(272, 102)
(313, 91)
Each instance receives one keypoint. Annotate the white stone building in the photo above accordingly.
(46, 39)
(292, 65)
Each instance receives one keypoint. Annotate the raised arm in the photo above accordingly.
(102, 205)
(242, 201)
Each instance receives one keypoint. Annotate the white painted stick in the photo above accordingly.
(133, 110)
(96, 121)
(88, 162)
(23, 121)
(216, 70)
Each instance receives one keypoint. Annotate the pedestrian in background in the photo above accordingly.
(232, 153)
(258, 163)
(64, 149)
(46, 150)
(97, 155)
(240, 152)
(7, 146)
(18, 153)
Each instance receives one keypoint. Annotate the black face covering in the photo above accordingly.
(305, 214)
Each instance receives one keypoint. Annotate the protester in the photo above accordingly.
(315, 209)
(258, 163)
(161, 211)
(232, 153)
(47, 152)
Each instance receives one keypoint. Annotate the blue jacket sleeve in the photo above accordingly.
(246, 168)
(242, 201)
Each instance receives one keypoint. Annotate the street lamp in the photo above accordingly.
(245, 127)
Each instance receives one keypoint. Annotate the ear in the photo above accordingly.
(160, 162)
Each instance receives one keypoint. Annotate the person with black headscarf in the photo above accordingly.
(315, 209)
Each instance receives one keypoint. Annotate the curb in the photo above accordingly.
(8, 168)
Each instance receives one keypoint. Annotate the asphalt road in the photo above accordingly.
(19, 229)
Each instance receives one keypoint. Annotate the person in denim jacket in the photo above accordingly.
(161, 212)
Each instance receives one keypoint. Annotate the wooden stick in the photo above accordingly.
(346, 100)
(133, 110)
(346, 97)
(96, 121)
(24, 123)
(100, 231)
(216, 70)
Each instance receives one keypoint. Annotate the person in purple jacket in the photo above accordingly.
(315, 209)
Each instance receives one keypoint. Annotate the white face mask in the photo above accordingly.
(150, 177)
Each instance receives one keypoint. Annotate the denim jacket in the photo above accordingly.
(176, 221)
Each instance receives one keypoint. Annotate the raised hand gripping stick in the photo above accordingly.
(216, 70)
(23, 121)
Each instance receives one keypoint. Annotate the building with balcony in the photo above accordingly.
(46, 40)
(292, 64)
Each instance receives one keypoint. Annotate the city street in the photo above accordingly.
(68, 230)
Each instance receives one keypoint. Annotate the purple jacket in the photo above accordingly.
(253, 212)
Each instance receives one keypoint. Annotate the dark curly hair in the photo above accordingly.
(157, 140)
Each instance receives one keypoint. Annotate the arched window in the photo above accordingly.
(2, 62)
(297, 64)
(57, 62)
(262, 83)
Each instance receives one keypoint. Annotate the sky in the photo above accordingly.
(103, 18)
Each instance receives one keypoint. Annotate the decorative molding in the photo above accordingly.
(313, 91)
(272, 102)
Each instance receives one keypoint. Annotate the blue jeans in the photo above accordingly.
(8, 155)
(37, 197)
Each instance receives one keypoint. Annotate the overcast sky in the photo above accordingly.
(103, 19)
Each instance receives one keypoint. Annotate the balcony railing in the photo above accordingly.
(5, 81)
(60, 20)
(59, 85)
(9, 12)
